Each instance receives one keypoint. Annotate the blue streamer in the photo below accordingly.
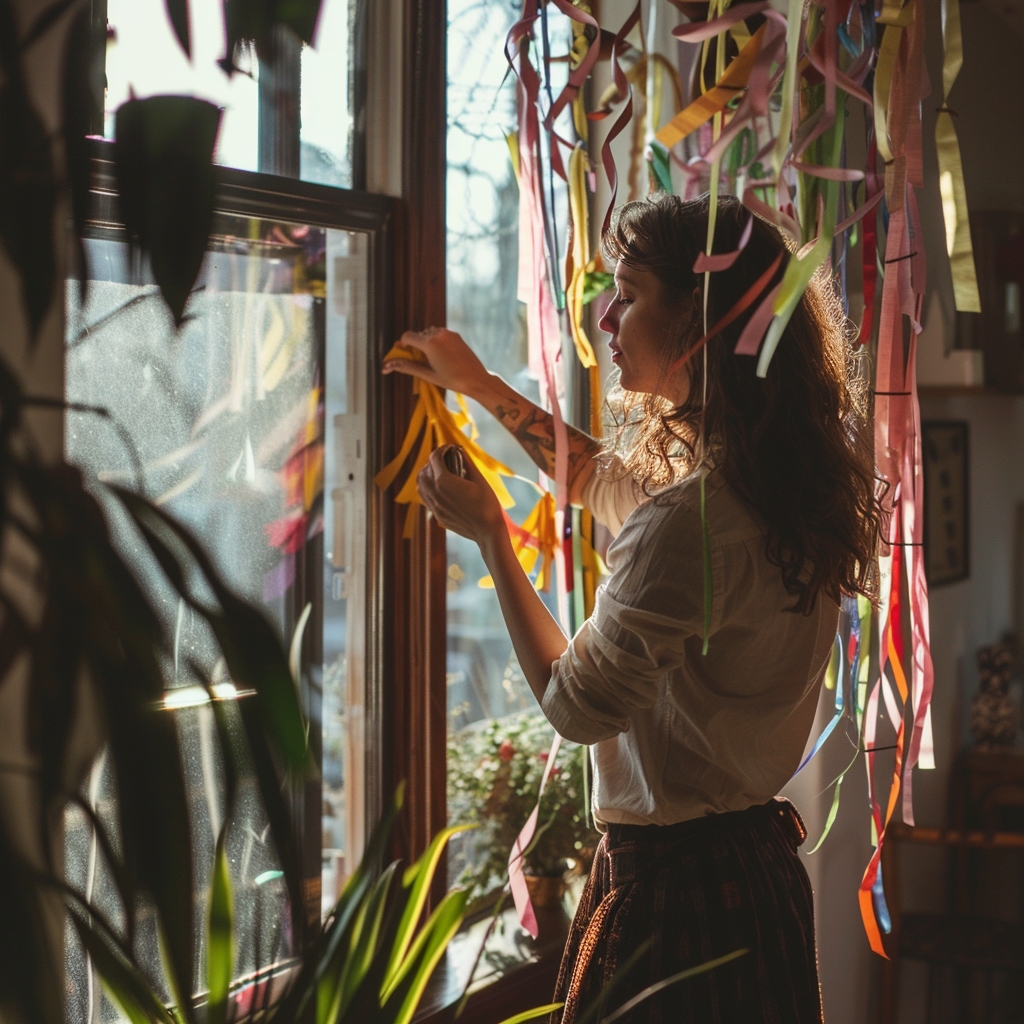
(827, 731)
(878, 901)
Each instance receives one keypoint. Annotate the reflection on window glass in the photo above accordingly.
(497, 738)
(223, 424)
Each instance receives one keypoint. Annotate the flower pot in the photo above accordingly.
(546, 890)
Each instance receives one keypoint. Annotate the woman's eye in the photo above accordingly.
(623, 301)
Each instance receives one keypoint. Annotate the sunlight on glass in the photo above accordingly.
(194, 696)
(326, 116)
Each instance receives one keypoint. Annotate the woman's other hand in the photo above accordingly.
(450, 364)
(465, 505)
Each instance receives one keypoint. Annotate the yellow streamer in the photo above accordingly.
(704, 107)
(438, 425)
(895, 20)
(951, 172)
(578, 263)
(536, 538)
(578, 256)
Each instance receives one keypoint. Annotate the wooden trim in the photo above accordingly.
(415, 725)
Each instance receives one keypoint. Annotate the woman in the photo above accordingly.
(690, 746)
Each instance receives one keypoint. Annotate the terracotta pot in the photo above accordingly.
(546, 890)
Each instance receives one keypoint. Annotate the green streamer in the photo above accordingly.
(659, 166)
(833, 811)
(800, 271)
(706, 542)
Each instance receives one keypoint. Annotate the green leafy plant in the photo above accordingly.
(494, 773)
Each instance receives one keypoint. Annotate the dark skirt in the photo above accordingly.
(662, 899)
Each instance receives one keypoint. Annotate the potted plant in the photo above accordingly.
(494, 774)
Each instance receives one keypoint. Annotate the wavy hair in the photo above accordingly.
(794, 444)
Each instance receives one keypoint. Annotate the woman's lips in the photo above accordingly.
(616, 353)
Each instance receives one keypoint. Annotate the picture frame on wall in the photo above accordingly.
(945, 451)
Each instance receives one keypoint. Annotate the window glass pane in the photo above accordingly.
(326, 118)
(223, 424)
(144, 58)
(497, 738)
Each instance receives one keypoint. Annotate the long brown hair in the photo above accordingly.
(794, 444)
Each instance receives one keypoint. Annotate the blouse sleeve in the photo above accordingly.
(611, 494)
(617, 661)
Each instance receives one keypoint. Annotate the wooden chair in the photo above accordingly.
(964, 941)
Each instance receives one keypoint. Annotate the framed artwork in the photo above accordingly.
(946, 501)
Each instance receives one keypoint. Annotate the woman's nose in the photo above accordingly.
(608, 323)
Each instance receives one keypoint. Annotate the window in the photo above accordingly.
(498, 738)
(259, 425)
(252, 424)
(295, 119)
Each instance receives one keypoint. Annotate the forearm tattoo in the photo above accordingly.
(534, 429)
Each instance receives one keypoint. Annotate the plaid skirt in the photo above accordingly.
(663, 899)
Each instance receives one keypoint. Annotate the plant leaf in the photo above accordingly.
(365, 945)
(45, 21)
(177, 11)
(418, 877)
(245, 20)
(121, 980)
(163, 153)
(537, 1011)
(336, 930)
(154, 819)
(220, 951)
(30, 979)
(439, 930)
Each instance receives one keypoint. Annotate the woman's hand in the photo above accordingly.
(465, 505)
(451, 363)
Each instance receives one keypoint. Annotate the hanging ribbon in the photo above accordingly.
(536, 538)
(516, 872)
(544, 336)
(435, 424)
(951, 172)
(733, 80)
(625, 89)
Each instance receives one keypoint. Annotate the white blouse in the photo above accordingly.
(677, 734)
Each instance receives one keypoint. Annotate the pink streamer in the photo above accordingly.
(544, 349)
(753, 332)
(625, 89)
(698, 31)
(516, 874)
(723, 260)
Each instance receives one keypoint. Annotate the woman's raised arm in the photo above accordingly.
(452, 364)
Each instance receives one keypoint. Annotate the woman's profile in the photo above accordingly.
(697, 703)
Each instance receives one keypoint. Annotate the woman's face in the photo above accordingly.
(643, 321)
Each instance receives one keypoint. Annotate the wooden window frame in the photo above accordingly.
(415, 742)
